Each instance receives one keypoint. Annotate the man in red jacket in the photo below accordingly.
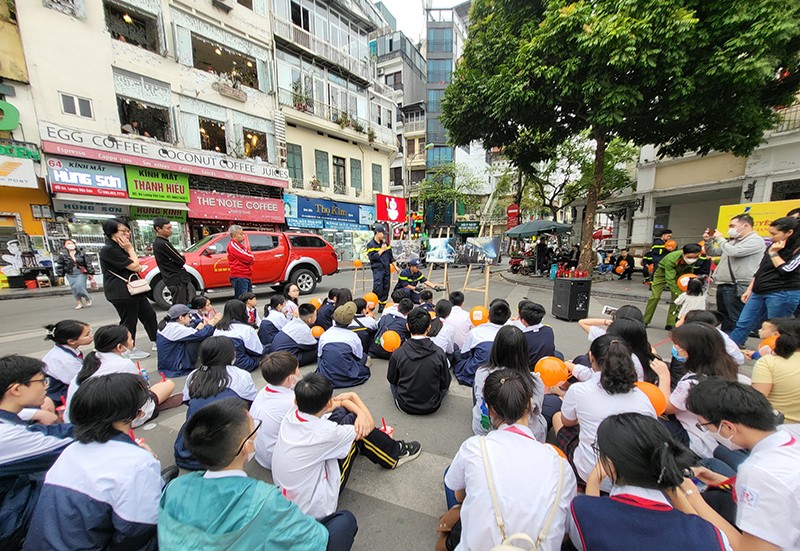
(241, 262)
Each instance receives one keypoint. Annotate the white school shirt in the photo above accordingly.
(367, 321)
(62, 363)
(701, 443)
(732, 348)
(596, 331)
(768, 491)
(516, 323)
(305, 464)
(278, 319)
(241, 383)
(584, 372)
(290, 309)
(110, 362)
(245, 333)
(343, 335)
(483, 333)
(590, 404)
(526, 478)
(461, 324)
(300, 332)
(445, 339)
(271, 405)
(175, 331)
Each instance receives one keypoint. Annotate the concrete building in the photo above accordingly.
(266, 113)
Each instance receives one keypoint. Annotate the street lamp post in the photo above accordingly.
(408, 181)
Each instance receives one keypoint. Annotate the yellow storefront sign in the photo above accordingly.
(763, 214)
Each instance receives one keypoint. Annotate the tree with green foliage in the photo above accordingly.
(684, 75)
(450, 185)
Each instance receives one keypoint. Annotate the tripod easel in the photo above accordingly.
(487, 267)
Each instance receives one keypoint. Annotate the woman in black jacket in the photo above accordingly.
(118, 262)
(73, 265)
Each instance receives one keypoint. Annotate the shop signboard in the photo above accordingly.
(66, 206)
(336, 225)
(468, 227)
(212, 205)
(305, 223)
(763, 214)
(20, 150)
(16, 172)
(160, 185)
(366, 215)
(149, 213)
(332, 214)
(86, 177)
(389, 208)
(147, 153)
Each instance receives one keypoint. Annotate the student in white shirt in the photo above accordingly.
(64, 360)
(318, 441)
(533, 485)
(442, 334)
(274, 320)
(516, 321)
(251, 304)
(113, 345)
(610, 390)
(459, 319)
(235, 325)
(768, 481)
(647, 508)
(714, 318)
(291, 294)
(281, 371)
(596, 327)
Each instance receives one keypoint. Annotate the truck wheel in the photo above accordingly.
(162, 295)
(305, 279)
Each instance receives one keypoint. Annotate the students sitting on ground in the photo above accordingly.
(509, 351)
(777, 376)
(325, 312)
(611, 390)
(340, 356)
(112, 343)
(391, 322)
(222, 508)
(318, 442)
(634, 333)
(426, 300)
(235, 325)
(251, 304)
(363, 324)
(713, 318)
(768, 482)
(541, 339)
(595, 327)
(397, 296)
(515, 320)
(419, 373)
(492, 476)
(296, 337)
(281, 371)
(459, 319)
(216, 378)
(647, 507)
(291, 292)
(28, 450)
(202, 311)
(478, 345)
(441, 333)
(274, 320)
(178, 342)
(103, 491)
(65, 359)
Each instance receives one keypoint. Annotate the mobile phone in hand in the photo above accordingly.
(608, 310)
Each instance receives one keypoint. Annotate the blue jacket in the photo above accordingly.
(245, 340)
(339, 358)
(183, 458)
(470, 362)
(541, 342)
(379, 262)
(266, 334)
(177, 348)
(388, 322)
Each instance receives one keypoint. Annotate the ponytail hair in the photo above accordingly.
(106, 339)
(163, 323)
(613, 356)
(274, 302)
(642, 452)
(64, 331)
(211, 376)
(509, 394)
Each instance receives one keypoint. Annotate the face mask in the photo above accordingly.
(127, 353)
(677, 357)
(727, 442)
(250, 456)
(296, 380)
(690, 261)
(733, 233)
(70, 247)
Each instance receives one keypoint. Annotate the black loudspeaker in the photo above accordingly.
(571, 298)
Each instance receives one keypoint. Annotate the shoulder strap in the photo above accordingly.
(122, 278)
(490, 480)
(554, 507)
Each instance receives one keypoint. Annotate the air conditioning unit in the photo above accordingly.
(381, 71)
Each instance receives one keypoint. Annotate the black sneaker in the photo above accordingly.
(408, 452)
(169, 474)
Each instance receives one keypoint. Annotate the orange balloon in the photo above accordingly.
(655, 396)
(623, 263)
(670, 245)
(357, 263)
(433, 314)
(769, 341)
(683, 281)
(317, 331)
(390, 341)
(391, 268)
(479, 315)
(650, 268)
(315, 302)
(559, 451)
(371, 299)
(619, 269)
(552, 370)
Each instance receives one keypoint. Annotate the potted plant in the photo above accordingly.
(316, 185)
(371, 135)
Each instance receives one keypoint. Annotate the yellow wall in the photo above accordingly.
(699, 170)
(16, 199)
(12, 59)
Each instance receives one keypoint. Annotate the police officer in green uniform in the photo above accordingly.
(671, 267)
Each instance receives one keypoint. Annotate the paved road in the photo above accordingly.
(395, 509)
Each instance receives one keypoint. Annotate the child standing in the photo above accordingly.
(178, 342)
(65, 359)
(695, 297)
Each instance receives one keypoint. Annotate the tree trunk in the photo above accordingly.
(520, 189)
(587, 253)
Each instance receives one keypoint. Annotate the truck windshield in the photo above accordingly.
(200, 244)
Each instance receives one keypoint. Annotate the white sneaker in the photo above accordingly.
(137, 354)
(88, 303)
(79, 306)
(155, 348)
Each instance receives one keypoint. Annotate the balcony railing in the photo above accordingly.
(296, 35)
(790, 119)
(330, 113)
(297, 183)
(415, 126)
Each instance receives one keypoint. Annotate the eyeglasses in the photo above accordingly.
(702, 427)
(249, 436)
(44, 380)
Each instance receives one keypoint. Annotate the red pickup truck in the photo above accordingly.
(281, 258)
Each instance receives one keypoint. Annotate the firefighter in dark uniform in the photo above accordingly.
(380, 259)
(410, 278)
(655, 254)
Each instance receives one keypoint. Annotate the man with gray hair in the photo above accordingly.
(741, 252)
(241, 260)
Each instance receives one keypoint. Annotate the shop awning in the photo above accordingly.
(74, 197)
